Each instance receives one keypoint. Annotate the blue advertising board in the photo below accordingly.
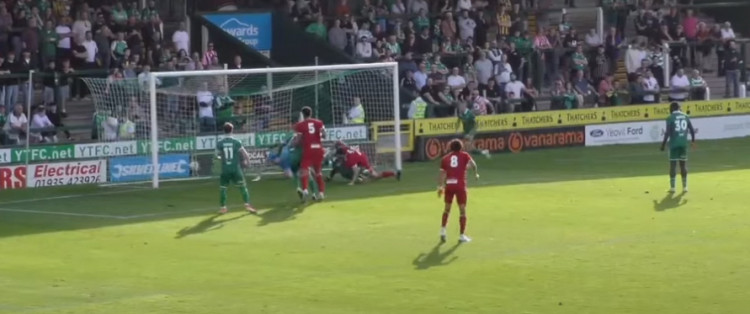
(129, 169)
(254, 29)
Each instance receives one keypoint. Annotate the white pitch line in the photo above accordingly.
(31, 211)
(167, 213)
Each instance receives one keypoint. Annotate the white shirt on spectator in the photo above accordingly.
(463, 5)
(143, 80)
(503, 72)
(514, 89)
(633, 58)
(181, 40)
(91, 50)
(80, 28)
(593, 40)
(208, 98)
(421, 79)
(364, 49)
(679, 82)
(398, 8)
(484, 69)
(480, 105)
(367, 34)
(61, 30)
(727, 33)
(466, 26)
(650, 85)
(456, 81)
(40, 121)
(110, 128)
(416, 5)
(17, 122)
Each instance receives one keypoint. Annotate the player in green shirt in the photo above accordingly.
(232, 156)
(467, 118)
(678, 126)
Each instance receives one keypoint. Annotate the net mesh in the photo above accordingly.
(263, 107)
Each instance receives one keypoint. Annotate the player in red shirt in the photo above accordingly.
(357, 162)
(310, 136)
(452, 183)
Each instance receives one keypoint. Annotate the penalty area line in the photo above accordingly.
(42, 212)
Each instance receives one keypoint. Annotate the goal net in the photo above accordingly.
(181, 114)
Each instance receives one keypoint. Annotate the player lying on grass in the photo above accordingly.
(354, 165)
(468, 120)
(232, 156)
(452, 183)
(678, 126)
(288, 158)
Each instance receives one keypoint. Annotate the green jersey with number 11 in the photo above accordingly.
(231, 156)
(678, 123)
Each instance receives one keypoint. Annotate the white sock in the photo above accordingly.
(442, 231)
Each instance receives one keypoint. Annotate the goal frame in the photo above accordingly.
(154, 76)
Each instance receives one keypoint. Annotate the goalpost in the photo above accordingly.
(174, 118)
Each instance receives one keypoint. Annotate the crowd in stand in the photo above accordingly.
(446, 50)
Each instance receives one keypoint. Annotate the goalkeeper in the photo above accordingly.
(289, 157)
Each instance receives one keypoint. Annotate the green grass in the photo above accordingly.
(557, 231)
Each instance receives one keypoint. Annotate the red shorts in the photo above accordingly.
(312, 158)
(459, 193)
(359, 161)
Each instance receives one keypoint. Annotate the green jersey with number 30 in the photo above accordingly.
(231, 157)
(678, 123)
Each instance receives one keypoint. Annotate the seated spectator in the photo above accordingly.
(438, 63)
(15, 129)
(420, 77)
(570, 97)
(558, 95)
(42, 129)
(492, 90)
(530, 95)
(410, 44)
(593, 40)
(446, 102)
(484, 68)
(480, 105)
(379, 51)
(503, 72)
(608, 95)
(469, 71)
(393, 47)
(429, 93)
(650, 89)
(697, 86)
(680, 85)
(337, 35)
(408, 82)
(514, 93)
(364, 48)
(437, 77)
(318, 28)
(455, 80)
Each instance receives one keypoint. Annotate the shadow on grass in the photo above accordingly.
(670, 201)
(281, 213)
(206, 225)
(435, 257)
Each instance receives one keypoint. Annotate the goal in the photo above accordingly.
(174, 119)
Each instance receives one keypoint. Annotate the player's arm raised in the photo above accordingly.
(667, 134)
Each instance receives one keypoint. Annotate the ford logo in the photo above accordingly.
(596, 133)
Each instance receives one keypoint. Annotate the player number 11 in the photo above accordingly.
(228, 155)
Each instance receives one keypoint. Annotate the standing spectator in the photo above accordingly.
(3, 120)
(364, 48)
(484, 68)
(64, 33)
(209, 55)
(103, 38)
(448, 26)
(514, 93)
(415, 6)
(503, 72)
(530, 95)
(50, 39)
(656, 56)
(680, 85)
(424, 42)
(181, 38)
(579, 60)
(697, 86)
(601, 65)
(481, 29)
(6, 24)
(11, 88)
(317, 28)
(503, 23)
(342, 8)
(92, 52)
(398, 8)
(25, 65)
(30, 39)
(237, 63)
(466, 26)
(480, 105)
(732, 70)
(650, 88)
(463, 5)
(469, 70)
(408, 82)
(5, 69)
(119, 49)
(81, 26)
(65, 78)
(407, 63)
(205, 101)
(337, 35)
(420, 77)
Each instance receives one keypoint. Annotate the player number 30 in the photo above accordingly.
(681, 125)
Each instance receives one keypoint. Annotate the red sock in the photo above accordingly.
(388, 174)
(445, 219)
(462, 222)
(321, 182)
(305, 180)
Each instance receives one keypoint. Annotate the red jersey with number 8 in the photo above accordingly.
(455, 165)
(311, 131)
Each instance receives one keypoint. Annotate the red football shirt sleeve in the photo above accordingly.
(298, 127)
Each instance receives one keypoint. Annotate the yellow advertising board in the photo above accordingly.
(565, 118)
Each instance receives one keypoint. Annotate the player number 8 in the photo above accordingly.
(454, 161)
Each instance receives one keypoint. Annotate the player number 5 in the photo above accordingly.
(311, 128)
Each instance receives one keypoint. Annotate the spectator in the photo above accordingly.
(54, 116)
(11, 88)
(5, 69)
(364, 48)
(416, 6)
(637, 90)
(318, 28)
(455, 80)
(181, 38)
(410, 44)
(81, 26)
(420, 77)
(437, 77)
(570, 98)
(42, 129)
(50, 83)
(407, 63)
(6, 25)
(417, 109)
(446, 102)
(479, 104)
(732, 63)
(144, 77)
(680, 85)
(650, 88)
(119, 48)
(704, 45)
(530, 95)
(64, 33)
(727, 33)
(16, 126)
(3, 121)
(481, 29)
(92, 52)
(607, 92)
(469, 70)
(593, 40)
(601, 65)
(503, 23)
(337, 35)
(119, 15)
(656, 56)
(424, 42)
(514, 89)
(697, 86)
(448, 26)
(583, 89)
(104, 46)
(205, 101)
(50, 39)
(379, 50)
(492, 90)
(408, 82)
(437, 63)
(356, 113)
(503, 72)
(392, 46)
(463, 5)
(579, 61)
(237, 63)
(398, 8)
(466, 26)
(342, 8)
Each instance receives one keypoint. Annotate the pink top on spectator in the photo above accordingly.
(690, 24)
(541, 42)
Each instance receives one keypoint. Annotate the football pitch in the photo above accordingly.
(580, 230)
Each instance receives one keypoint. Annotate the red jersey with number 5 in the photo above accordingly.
(311, 132)
(455, 165)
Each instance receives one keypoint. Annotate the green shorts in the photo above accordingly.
(469, 134)
(227, 178)
(678, 153)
